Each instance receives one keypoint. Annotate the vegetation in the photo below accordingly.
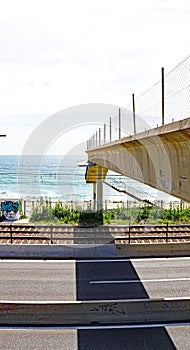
(147, 214)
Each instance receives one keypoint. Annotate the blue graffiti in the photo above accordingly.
(9, 206)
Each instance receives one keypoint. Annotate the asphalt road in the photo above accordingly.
(94, 280)
(154, 338)
(37, 280)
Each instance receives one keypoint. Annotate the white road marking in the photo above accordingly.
(114, 326)
(43, 260)
(141, 281)
(131, 260)
(92, 260)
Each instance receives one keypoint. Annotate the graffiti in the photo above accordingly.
(166, 184)
(175, 305)
(166, 305)
(10, 206)
(145, 306)
(5, 308)
(10, 209)
(112, 308)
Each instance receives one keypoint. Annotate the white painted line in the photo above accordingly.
(58, 261)
(62, 260)
(118, 326)
(43, 260)
(102, 260)
(131, 260)
(142, 281)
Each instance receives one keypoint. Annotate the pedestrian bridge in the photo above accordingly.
(158, 157)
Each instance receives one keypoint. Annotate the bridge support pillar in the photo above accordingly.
(94, 195)
(99, 189)
(96, 175)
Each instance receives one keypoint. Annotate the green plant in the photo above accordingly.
(42, 213)
(22, 216)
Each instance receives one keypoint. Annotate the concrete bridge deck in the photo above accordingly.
(159, 157)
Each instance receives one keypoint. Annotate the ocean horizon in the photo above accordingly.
(56, 177)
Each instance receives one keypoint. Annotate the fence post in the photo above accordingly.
(129, 232)
(99, 137)
(51, 232)
(167, 232)
(11, 234)
(119, 123)
(24, 207)
(134, 116)
(162, 96)
(110, 130)
(104, 134)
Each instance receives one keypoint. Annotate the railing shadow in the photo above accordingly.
(125, 339)
(99, 281)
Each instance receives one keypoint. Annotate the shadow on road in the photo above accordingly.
(89, 276)
(125, 339)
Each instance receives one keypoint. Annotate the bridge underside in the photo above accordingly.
(158, 157)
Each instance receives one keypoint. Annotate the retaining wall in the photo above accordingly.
(61, 251)
(153, 250)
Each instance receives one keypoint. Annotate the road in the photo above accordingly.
(152, 338)
(34, 280)
(65, 280)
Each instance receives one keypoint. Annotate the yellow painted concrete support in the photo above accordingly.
(93, 173)
(96, 175)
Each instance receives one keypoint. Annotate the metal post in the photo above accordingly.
(110, 129)
(162, 96)
(51, 232)
(99, 136)
(129, 232)
(96, 139)
(104, 134)
(11, 234)
(167, 232)
(134, 116)
(119, 123)
(24, 207)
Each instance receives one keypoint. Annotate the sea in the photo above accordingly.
(55, 177)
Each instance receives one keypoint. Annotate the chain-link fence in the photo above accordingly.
(168, 100)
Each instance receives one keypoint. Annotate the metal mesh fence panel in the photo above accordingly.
(148, 106)
(177, 92)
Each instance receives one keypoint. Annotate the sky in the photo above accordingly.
(57, 55)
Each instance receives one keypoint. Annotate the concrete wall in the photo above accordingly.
(94, 312)
(61, 251)
(153, 250)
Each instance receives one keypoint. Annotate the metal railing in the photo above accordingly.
(54, 234)
(155, 233)
(168, 100)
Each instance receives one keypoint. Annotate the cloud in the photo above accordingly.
(56, 54)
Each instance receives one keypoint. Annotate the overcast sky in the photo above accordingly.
(58, 54)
